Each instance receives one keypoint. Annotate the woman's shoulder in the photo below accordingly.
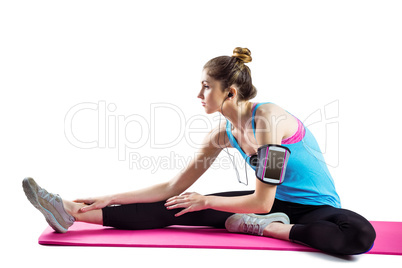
(274, 118)
(269, 108)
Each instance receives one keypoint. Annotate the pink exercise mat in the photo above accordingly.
(388, 241)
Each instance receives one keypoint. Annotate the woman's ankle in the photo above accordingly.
(278, 230)
(72, 208)
(93, 216)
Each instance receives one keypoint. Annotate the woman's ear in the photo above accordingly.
(232, 92)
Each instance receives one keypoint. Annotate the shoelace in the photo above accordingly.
(251, 226)
(49, 196)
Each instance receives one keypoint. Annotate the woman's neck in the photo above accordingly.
(238, 114)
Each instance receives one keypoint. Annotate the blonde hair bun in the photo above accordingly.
(242, 54)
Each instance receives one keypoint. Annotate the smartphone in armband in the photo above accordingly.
(271, 164)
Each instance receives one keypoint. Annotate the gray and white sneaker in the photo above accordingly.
(51, 205)
(253, 223)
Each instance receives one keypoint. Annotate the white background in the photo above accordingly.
(307, 55)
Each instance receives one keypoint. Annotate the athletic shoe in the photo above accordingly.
(51, 205)
(252, 223)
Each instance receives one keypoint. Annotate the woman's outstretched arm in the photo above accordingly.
(210, 149)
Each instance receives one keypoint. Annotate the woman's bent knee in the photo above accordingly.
(360, 240)
(365, 238)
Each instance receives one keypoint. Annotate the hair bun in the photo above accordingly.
(242, 54)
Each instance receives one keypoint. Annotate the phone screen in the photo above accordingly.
(274, 165)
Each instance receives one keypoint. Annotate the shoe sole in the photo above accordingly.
(32, 196)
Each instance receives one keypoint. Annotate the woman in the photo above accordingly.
(302, 206)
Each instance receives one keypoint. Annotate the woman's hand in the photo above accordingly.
(94, 203)
(189, 201)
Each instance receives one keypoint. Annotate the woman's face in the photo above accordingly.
(211, 94)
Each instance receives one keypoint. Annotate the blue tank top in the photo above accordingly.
(307, 178)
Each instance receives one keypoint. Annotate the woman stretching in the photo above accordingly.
(294, 198)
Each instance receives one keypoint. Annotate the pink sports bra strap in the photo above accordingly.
(254, 106)
(298, 136)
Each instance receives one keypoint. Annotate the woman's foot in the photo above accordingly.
(50, 205)
(253, 223)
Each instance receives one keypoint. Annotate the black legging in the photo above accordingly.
(332, 230)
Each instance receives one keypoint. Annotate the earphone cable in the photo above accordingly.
(231, 157)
